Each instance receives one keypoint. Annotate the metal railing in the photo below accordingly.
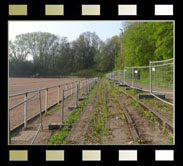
(67, 90)
(157, 78)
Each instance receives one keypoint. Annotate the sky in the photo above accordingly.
(69, 29)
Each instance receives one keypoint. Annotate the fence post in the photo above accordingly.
(150, 74)
(77, 95)
(79, 83)
(46, 100)
(58, 94)
(71, 88)
(25, 111)
(9, 130)
(132, 76)
(86, 86)
(62, 110)
(40, 109)
(124, 75)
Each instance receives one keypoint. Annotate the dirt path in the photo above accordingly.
(119, 131)
(81, 125)
(26, 136)
(146, 128)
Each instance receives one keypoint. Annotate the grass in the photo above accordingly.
(60, 136)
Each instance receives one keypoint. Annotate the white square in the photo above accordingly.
(127, 9)
(164, 155)
(127, 155)
(164, 10)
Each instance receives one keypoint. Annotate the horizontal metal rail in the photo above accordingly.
(22, 102)
(162, 61)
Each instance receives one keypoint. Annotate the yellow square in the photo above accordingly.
(90, 9)
(17, 10)
(54, 155)
(54, 9)
(18, 155)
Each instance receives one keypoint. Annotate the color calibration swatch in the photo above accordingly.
(91, 10)
(91, 155)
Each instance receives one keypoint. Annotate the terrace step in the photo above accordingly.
(148, 96)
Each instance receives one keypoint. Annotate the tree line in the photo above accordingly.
(88, 54)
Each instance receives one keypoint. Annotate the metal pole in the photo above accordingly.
(25, 111)
(71, 88)
(119, 80)
(77, 95)
(46, 100)
(9, 131)
(132, 76)
(58, 94)
(150, 73)
(40, 109)
(124, 76)
(62, 111)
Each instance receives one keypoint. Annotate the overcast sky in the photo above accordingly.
(69, 29)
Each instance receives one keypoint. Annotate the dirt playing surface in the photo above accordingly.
(17, 85)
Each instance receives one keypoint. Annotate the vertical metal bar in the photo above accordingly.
(71, 88)
(124, 76)
(119, 78)
(150, 74)
(25, 111)
(9, 131)
(132, 76)
(58, 94)
(46, 100)
(62, 111)
(40, 109)
(79, 84)
(77, 95)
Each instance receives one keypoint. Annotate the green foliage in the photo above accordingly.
(144, 41)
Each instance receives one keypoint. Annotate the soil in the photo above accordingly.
(119, 131)
(81, 125)
(146, 128)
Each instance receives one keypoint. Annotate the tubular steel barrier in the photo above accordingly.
(67, 90)
(157, 78)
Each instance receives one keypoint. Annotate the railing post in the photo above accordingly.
(9, 130)
(71, 88)
(150, 74)
(40, 110)
(58, 94)
(124, 75)
(62, 110)
(46, 100)
(132, 76)
(79, 84)
(77, 95)
(25, 111)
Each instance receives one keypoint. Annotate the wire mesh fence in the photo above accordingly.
(157, 78)
(30, 106)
